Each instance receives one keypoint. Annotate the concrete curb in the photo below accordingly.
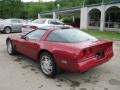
(117, 43)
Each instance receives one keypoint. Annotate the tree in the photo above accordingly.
(10, 8)
(18, 9)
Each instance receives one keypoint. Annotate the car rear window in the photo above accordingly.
(55, 22)
(70, 36)
(36, 34)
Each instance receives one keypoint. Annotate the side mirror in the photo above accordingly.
(23, 37)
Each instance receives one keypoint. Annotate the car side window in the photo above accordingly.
(55, 22)
(70, 36)
(54, 36)
(51, 22)
(39, 21)
(36, 34)
(15, 21)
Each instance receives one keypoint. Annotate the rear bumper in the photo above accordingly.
(88, 64)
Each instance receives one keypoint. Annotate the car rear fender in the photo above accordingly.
(8, 27)
(12, 41)
(42, 51)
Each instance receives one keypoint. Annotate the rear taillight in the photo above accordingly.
(33, 27)
(86, 52)
(82, 53)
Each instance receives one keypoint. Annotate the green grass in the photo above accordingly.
(115, 36)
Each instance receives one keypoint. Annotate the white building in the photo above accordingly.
(97, 16)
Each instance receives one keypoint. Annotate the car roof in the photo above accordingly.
(54, 27)
(46, 19)
(13, 19)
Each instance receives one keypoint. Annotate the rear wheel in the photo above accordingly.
(7, 30)
(10, 47)
(48, 65)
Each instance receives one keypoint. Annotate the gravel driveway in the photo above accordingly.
(21, 73)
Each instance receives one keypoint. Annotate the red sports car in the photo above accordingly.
(61, 49)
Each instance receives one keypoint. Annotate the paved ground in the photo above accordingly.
(20, 73)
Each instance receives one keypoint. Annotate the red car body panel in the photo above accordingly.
(75, 57)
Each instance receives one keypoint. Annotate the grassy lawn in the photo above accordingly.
(104, 35)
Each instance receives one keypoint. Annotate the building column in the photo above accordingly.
(102, 19)
(73, 18)
(84, 18)
(54, 15)
(39, 16)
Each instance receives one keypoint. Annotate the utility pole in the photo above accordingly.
(102, 2)
(58, 6)
(84, 3)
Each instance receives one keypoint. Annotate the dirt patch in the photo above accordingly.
(33, 69)
(59, 85)
(69, 81)
(27, 66)
(18, 59)
(36, 72)
(23, 74)
(91, 79)
(83, 88)
(40, 86)
(105, 88)
(114, 82)
(75, 84)
(72, 89)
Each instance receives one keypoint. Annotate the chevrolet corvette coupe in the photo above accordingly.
(61, 49)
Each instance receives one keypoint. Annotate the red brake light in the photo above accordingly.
(33, 27)
(88, 51)
(83, 52)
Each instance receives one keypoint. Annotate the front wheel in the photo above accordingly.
(10, 47)
(7, 30)
(48, 65)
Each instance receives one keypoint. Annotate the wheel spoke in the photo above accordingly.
(46, 64)
(7, 30)
(9, 47)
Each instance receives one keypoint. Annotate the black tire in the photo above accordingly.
(7, 30)
(10, 48)
(53, 72)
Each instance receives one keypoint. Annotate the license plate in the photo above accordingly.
(99, 54)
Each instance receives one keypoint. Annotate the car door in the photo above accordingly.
(16, 25)
(30, 44)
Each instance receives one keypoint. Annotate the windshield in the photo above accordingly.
(55, 22)
(39, 21)
(70, 36)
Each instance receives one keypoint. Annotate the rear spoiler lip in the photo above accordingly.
(106, 40)
(99, 43)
